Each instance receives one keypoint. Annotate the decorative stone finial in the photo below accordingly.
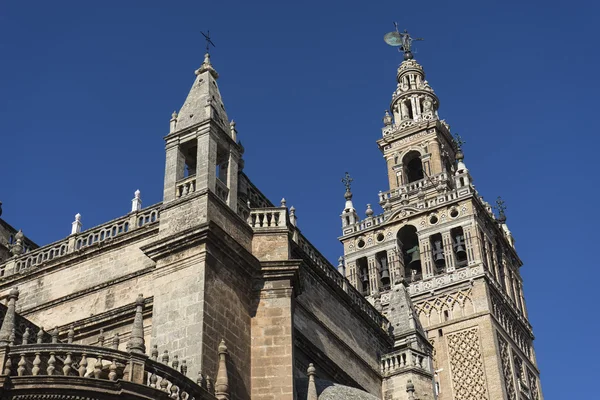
(183, 368)
(200, 380)
(26, 336)
(101, 338)
(340, 267)
(154, 353)
(40, 335)
(17, 248)
(232, 130)
(387, 118)
(165, 357)
(410, 389)
(293, 218)
(54, 334)
(369, 212)
(116, 341)
(312, 386)
(207, 66)
(283, 202)
(71, 333)
(76, 225)
(222, 381)
(173, 122)
(136, 343)
(136, 202)
(8, 324)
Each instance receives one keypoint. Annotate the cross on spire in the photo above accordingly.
(501, 207)
(347, 180)
(458, 141)
(208, 41)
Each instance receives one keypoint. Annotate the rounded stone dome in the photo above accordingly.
(327, 390)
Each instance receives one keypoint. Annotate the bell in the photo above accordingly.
(365, 277)
(438, 253)
(415, 257)
(459, 246)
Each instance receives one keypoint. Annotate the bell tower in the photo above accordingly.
(437, 235)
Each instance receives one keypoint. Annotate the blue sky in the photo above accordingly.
(87, 90)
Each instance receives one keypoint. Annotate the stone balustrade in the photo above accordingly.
(269, 217)
(416, 186)
(222, 190)
(80, 241)
(99, 363)
(357, 299)
(402, 359)
(185, 186)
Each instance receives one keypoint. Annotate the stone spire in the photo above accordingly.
(401, 313)
(136, 342)
(349, 215)
(204, 100)
(8, 325)
(312, 386)
(222, 380)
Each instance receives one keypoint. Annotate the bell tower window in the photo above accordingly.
(409, 244)
(384, 272)
(458, 243)
(413, 166)
(437, 250)
(363, 275)
(189, 151)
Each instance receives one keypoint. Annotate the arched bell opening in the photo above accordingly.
(437, 252)
(458, 243)
(384, 271)
(362, 267)
(413, 166)
(409, 245)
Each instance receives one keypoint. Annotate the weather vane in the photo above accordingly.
(402, 40)
(347, 180)
(208, 41)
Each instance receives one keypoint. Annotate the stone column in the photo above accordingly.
(426, 262)
(351, 273)
(206, 163)
(232, 179)
(469, 245)
(373, 274)
(174, 169)
(394, 266)
(448, 251)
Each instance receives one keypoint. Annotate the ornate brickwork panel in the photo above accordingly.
(445, 307)
(506, 369)
(533, 384)
(511, 325)
(466, 365)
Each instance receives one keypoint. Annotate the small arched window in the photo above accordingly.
(413, 167)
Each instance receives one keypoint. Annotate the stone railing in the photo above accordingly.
(357, 299)
(271, 217)
(438, 281)
(185, 186)
(402, 359)
(222, 190)
(414, 187)
(80, 241)
(98, 363)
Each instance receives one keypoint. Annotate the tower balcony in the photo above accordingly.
(439, 182)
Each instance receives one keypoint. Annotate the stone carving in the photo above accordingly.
(444, 307)
(511, 325)
(506, 370)
(533, 385)
(466, 365)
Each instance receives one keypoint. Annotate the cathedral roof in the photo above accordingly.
(204, 99)
(327, 390)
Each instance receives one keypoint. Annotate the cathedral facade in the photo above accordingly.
(215, 293)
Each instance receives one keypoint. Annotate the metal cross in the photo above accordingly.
(347, 180)
(500, 206)
(458, 141)
(208, 41)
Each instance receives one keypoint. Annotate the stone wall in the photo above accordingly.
(339, 333)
